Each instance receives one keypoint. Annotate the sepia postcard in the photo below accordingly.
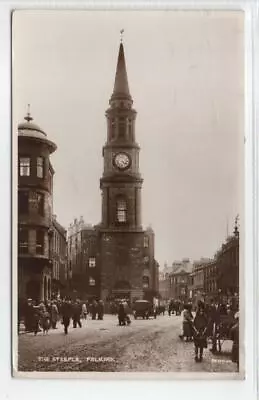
(128, 192)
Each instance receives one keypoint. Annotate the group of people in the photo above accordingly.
(208, 319)
(45, 315)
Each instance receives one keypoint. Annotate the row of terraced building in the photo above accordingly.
(207, 279)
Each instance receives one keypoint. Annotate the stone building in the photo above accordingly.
(126, 250)
(179, 279)
(198, 279)
(218, 278)
(35, 177)
(210, 279)
(164, 282)
(83, 253)
(58, 258)
(122, 251)
(228, 268)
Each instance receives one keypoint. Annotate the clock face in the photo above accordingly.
(122, 160)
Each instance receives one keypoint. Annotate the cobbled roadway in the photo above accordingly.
(144, 346)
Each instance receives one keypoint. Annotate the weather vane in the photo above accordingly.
(28, 116)
(121, 32)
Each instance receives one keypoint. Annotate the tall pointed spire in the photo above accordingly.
(121, 86)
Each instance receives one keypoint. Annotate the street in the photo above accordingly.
(144, 346)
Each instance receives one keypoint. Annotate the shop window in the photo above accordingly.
(25, 166)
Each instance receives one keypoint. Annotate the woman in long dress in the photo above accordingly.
(187, 324)
(54, 315)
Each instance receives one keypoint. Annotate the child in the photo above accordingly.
(200, 326)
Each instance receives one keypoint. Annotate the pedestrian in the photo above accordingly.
(45, 320)
(100, 310)
(234, 335)
(29, 316)
(66, 311)
(200, 325)
(214, 323)
(94, 309)
(84, 311)
(122, 315)
(77, 314)
(36, 318)
(171, 307)
(187, 323)
(20, 313)
(54, 315)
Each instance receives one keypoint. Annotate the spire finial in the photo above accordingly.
(28, 116)
(121, 32)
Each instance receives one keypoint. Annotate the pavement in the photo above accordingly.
(144, 346)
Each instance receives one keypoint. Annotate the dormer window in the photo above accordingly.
(25, 166)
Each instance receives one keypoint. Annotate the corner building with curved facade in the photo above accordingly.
(35, 187)
(126, 252)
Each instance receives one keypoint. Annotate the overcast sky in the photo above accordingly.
(185, 72)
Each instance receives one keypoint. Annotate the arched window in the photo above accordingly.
(121, 210)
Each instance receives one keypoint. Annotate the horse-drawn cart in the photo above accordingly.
(221, 331)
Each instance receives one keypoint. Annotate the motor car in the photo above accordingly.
(143, 309)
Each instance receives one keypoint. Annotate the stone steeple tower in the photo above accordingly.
(123, 252)
(121, 181)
